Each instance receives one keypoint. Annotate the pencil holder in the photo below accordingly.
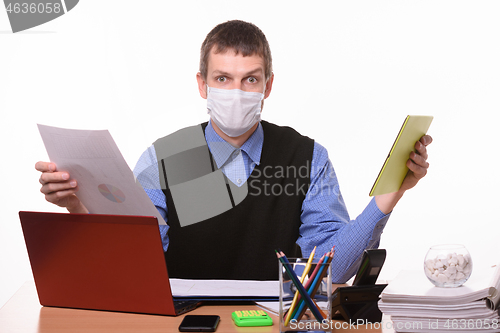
(312, 313)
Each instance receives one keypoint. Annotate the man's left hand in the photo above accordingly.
(417, 163)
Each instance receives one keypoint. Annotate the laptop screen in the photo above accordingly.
(102, 262)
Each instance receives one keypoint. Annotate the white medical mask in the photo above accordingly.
(234, 111)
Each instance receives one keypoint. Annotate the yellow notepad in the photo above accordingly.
(394, 170)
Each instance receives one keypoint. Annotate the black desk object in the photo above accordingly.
(360, 301)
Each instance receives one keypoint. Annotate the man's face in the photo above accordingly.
(229, 70)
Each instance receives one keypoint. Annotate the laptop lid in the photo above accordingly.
(99, 262)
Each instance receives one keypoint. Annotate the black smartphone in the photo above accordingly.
(199, 323)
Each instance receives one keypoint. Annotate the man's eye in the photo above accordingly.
(252, 79)
(221, 79)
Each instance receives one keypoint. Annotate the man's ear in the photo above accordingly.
(202, 85)
(269, 86)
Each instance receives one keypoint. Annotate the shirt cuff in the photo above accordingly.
(373, 212)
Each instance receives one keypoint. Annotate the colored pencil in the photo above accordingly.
(306, 286)
(313, 288)
(302, 278)
(299, 286)
(312, 278)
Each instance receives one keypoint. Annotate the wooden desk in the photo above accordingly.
(24, 314)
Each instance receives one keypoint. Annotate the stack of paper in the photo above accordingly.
(416, 305)
(249, 289)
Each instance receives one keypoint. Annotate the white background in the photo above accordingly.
(346, 74)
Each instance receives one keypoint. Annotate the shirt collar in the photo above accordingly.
(222, 150)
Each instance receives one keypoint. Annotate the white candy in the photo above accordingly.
(438, 264)
(451, 270)
(467, 257)
(442, 278)
(448, 269)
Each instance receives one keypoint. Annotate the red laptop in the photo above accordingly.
(99, 262)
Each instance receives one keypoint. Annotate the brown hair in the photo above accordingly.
(240, 36)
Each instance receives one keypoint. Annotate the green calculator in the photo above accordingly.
(252, 318)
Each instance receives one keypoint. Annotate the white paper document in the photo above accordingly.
(414, 287)
(105, 182)
(221, 288)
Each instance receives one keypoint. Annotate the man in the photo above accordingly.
(273, 202)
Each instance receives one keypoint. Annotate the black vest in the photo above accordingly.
(240, 243)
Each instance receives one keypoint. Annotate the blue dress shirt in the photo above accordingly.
(325, 220)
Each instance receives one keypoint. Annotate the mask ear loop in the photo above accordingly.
(265, 89)
(263, 97)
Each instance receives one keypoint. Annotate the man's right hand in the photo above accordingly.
(59, 188)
